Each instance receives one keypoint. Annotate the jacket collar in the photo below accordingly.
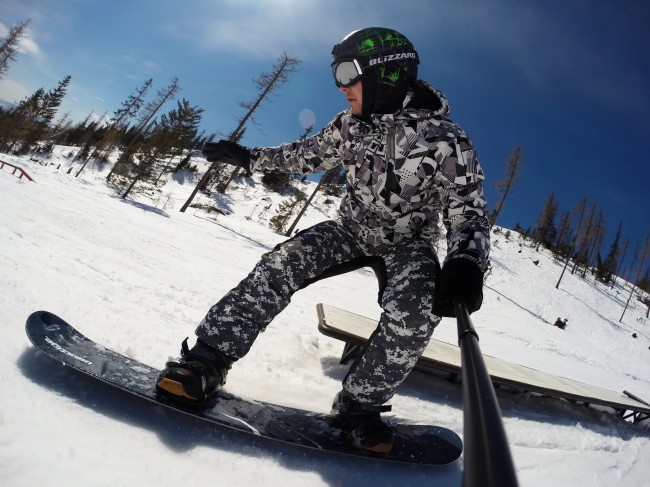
(423, 100)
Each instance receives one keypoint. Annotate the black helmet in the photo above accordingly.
(385, 60)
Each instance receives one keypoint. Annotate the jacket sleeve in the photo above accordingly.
(464, 209)
(317, 153)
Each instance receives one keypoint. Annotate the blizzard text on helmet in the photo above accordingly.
(392, 57)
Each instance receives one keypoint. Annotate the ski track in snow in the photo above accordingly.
(137, 276)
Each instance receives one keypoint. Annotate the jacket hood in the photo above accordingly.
(420, 95)
(427, 97)
(422, 100)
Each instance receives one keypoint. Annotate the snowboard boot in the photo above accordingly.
(191, 379)
(366, 429)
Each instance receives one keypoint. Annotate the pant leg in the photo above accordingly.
(232, 324)
(404, 328)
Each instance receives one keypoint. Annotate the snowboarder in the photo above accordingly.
(406, 165)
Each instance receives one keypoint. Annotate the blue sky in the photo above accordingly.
(568, 80)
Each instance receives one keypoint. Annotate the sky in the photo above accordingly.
(569, 80)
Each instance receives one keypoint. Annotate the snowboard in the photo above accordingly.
(415, 444)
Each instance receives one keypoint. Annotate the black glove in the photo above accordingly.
(228, 153)
(459, 279)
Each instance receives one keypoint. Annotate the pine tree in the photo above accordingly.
(183, 127)
(146, 122)
(61, 129)
(610, 264)
(149, 153)
(579, 210)
(545, 222)
(596, 241)
(78, 131)
(329, 175)
(563, 241)
(29, 108)
(175, 131)
(9, 45)
(29, 121)
(121, 116)
(19, 122)
(152, 108)
(90, 138)
(641, 258)
(584, 238)
(131, 105)
(626, 245)
(512, 170)
(285, 211)
(335, 181)
(52, 100)
(267, 83)
(39, 113)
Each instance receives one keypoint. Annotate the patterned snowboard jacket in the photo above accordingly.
(403, 171)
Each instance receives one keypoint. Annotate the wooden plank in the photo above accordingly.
(353, 328)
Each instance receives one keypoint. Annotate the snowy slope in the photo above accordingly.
(138, 277)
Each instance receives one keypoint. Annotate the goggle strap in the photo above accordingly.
(356, 63)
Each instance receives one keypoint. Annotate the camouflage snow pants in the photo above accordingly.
(405, 326)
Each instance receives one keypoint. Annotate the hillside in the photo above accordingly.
(137, 276)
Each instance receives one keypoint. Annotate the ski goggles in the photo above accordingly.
(346, 73)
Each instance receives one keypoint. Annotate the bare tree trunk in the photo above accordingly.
(546, 219)
(267, 83)
(165, 168)
(595, 242)
(642, 257)
(580, 207)
(512, 170)
(328, 175)
(620, 264)
(96, 126)
(286, 66)
(566, 264)
(133, 181)
(200, 185)
(586, 238)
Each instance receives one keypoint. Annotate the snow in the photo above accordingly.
(138, 276)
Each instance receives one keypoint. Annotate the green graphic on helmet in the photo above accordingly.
(394, 39)
(367, 46)
(376, 39)
(392, 75)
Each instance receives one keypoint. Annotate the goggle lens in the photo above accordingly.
(346, 73)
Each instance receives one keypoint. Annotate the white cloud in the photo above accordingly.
(303, 28)
(151, 65)
(26, 44)
(13, 92)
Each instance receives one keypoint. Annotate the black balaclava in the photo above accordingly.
(380, 98)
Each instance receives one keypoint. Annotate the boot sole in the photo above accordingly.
(378, 448)
(174, 390)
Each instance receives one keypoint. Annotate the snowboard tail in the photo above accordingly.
(418, 444)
